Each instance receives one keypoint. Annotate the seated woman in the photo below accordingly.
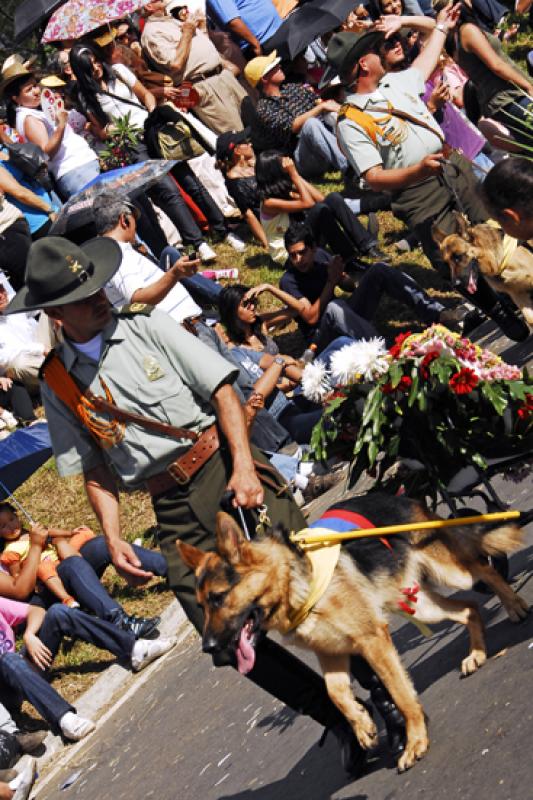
(285, 196)
(16, 406)
(504, 93)
(273, 374)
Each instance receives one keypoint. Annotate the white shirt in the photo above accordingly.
(73, 153)
(122, 86)
(18, 336)
(137, 272)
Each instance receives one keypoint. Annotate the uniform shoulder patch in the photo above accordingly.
(136, 308)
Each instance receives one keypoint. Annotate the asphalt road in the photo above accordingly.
(195, 733)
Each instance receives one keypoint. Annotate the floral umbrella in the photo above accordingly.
(76, 18)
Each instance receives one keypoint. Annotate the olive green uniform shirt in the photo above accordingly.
(153, 367)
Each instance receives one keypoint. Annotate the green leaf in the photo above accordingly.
(495, 394)
(395, 374)
(414, 388)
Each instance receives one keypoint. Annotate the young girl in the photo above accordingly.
(17, 545)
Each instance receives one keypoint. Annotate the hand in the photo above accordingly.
(52, 216)
(449, 15)
(127, 564)
(430, 166)
(439, 96)
(329, 105)
(62, 118)
(38, 535)
(172, 93)
(247, 488)
(188, 28)
(389, 25)
(255, 291)
(38, 651)
(184, 267)
(5, 383)
(288, 165)
(335, 269)
(257, 50)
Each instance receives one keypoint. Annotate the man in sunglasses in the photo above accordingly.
(395, 145)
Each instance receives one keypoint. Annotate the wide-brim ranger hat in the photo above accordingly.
(11, 73)
(346, 48)
(59, 272)
(258, 67)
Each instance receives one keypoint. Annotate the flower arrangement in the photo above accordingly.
(122, 140)
(432, 396)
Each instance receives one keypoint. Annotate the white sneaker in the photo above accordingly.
(24, 781)
(74, 727)
(206, 253)
(235, 242)
(145, 651)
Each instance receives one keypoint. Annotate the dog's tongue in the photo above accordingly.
(472, 283)
(245, 652)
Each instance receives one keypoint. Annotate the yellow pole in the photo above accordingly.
(333, 537)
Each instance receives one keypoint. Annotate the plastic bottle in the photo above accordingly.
(217, 274)
(309, 354)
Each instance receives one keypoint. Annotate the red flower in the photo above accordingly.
(403, 386)
(527, 409)
(426, 361)
(388, 388)
(397, 346)
(464, 381)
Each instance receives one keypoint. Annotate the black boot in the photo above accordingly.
(284, 676)
(141, 627)
(513, 326)
(394, 721)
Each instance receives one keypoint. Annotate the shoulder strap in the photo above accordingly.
(395, 112)
(84, 404)
(370, 125)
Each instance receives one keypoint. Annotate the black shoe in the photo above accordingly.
(394, 721)
(376, 254)
(141, 627)
(471, 321)
(29, 741)
(509, 323)
(353, 757)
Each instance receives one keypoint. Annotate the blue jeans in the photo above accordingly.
(202, 290)
(317, 150)
(28, 684)
(81, 576)
(74, 181)
(61, 621)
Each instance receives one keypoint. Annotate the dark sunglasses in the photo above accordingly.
(249, 302)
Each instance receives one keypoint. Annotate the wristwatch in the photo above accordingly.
(440, 26)
(279, 360)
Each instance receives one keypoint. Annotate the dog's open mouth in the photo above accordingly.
(247, 640)
(473, 274)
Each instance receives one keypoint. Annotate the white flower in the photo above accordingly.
(315, 381)
(362, 359)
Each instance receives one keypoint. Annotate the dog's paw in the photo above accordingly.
(518, 609)
(473, 662)
(414, 751)
(366, 732)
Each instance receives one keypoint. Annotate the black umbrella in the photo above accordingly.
(308, 22)
(31, 13)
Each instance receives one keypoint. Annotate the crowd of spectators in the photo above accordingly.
(410, 104)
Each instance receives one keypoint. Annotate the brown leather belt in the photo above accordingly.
(184, 468)
(203, 76)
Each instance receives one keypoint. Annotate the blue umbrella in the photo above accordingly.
(21, 454)
(124, 182)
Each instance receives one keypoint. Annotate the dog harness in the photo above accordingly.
(509, 245)
(324, 556)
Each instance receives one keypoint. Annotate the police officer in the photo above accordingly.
(394, 144)
(161, 387)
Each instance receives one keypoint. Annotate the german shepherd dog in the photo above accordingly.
(248, 586)
(479, 249)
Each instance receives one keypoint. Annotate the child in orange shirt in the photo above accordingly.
(64, 544)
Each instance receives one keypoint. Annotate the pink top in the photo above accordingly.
(12, 613)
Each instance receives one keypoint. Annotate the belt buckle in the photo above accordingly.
(178, 474)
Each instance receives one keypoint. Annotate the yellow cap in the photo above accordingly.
(258, 67)
(106, 38)
(52, 82)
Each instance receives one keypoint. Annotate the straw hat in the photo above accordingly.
(14, 70)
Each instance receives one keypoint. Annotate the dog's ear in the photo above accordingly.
(230, 539)
(190, 555)
(438, 234)
(462, 227)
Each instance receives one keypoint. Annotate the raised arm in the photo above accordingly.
(429, 56)
(188, 29)
(35, 132)
(20, 587)
(158, 290)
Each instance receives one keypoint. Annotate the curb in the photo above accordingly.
(173, 623)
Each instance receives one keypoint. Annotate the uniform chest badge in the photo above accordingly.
(152, 369)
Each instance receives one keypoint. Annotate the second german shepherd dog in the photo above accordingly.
(480, 249)
(248, 586)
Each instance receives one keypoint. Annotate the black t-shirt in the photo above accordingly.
(244, 192)
(307, 284)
